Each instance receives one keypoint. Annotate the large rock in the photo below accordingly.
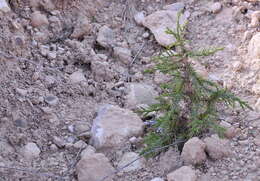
(129, 157)
(4, 7)
(184, 173)
(106, 37)
(113, 126)
(194, 151)
(93, 167)
(159, 21)
(140, 93)
(254, 46)
(169, 161)
(217, 148)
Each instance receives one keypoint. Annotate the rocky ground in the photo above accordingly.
(72, 74)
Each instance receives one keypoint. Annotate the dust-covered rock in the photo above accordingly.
(123, 54)
(113, 126)
(159, 21)
(93, 167)
(30, 151)
(82, 27)
(194, 151)
(178, 6)
(139, 93)
(215, 7)
(169, 161)
(38, 19)
(77, 77)
(184, 173)
(217, 148)
(254, 47)
(129, 157)
(106, 37)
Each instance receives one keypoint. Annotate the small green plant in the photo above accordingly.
(188, 103)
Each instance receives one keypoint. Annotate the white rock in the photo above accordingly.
(157, 179)
(4, 7)
(77, 76)
(31, 151)
(215, 7)
(38, 19)
(254, 47)
(139, 18)
(217, 148)
(93, 167)
(175, 6)
(127, 158)
(139, 93)
(106, 37)
(194, 151)
(114, 126)
(159, 21)
(123, 54)
(184, 173)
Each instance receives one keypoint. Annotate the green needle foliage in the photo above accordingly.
(188, 103)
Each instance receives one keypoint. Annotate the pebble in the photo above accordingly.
(51, 100)
(139, 18)
(216, 7)
(4, 7)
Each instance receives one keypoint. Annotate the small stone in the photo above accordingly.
(231, 132)
(94, 167)
(123, 54)
(4, 7)
(157, 179)
(77, 77)
(31, 151)
(139, 18)
(215, 7)
(71, 128)
(194, 151)
(106, 37)
(237, 66)
(81, 127)
(38, 19)
(184, 173)
(80, 144)
(179, 6)
(51, 55)
(53, 147)
(83, 27)
(22, 92)
(21, 123)
(59, 142)
(217, 148)
(127, 158)
(145, 35)
(51, 100)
